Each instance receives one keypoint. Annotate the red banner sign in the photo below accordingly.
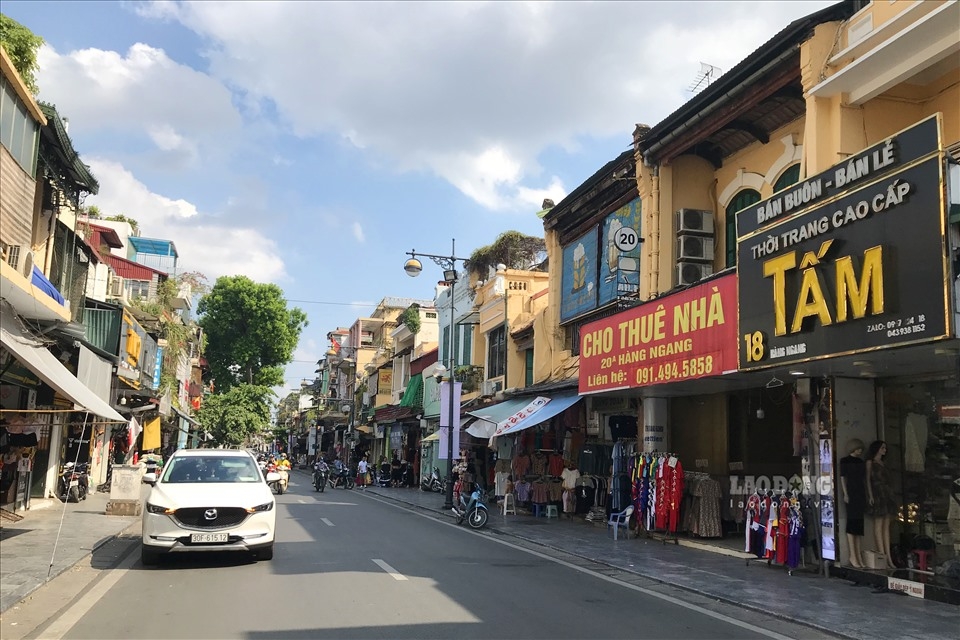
(687, 335)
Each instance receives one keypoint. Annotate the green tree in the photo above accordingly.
(122, 218)
(511, 248)
(237, 414)
(251, 334)
(21, 45)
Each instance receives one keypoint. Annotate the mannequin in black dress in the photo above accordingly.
(853, 481)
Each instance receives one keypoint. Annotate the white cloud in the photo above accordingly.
(474, 92)
(357, 229)
(203, 243)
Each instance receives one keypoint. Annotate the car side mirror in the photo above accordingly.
(150, 478)
(273, 476)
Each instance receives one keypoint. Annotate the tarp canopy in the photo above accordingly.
(38, 359)
(557, 404)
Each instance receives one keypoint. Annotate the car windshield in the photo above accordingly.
(211, 469)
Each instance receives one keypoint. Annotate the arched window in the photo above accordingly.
(742, 200)
(787, 178)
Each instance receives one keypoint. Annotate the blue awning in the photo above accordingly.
(41, 282)
(557, 404)
(500, 411)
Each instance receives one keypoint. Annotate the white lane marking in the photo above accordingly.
(589, 572)
(72, 616)
(302, 501)
(396, 575)
(327, 522)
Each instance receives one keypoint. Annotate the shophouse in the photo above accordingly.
(809, 188)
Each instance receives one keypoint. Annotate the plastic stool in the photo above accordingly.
(509, 504)
(537, 510)
(552, 511)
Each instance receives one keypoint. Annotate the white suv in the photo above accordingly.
(208, 500)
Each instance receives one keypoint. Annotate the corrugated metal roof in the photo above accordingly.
(129, 269)
(154, 246)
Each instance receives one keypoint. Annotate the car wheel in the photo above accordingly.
(148, 557)
(265, 554)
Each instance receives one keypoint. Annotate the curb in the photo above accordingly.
(719, 598)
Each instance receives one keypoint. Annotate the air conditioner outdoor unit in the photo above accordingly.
(690, 272)
(694, 221)
(694, 248)
(116, 287)
(490, 388)
(26, 263)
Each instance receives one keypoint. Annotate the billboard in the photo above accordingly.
(579, 277)
(683, 336)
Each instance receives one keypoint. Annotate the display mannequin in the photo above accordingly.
(880, 503)
(853, 481)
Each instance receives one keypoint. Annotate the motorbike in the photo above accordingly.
(472, 510)
(433, 482)
(73, 483)
(276, 478)
(342, 478)
(321, 473)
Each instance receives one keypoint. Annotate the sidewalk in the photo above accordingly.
(829, 604)
(27, 546)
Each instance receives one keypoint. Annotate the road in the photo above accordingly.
(351, 565)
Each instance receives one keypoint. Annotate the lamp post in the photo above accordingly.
(413, 267)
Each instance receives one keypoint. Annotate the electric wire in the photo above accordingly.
(76, 460)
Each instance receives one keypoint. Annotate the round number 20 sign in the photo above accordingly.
(626, 239)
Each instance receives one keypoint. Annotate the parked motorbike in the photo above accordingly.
(433, 482)
(321, 473)
(74, 483)
(341, 478)
(472, 510)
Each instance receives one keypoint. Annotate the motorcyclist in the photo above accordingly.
(283, 463)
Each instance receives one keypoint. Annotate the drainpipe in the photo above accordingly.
(653, 288)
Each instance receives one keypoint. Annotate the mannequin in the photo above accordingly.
(853, 481)
(880, 502)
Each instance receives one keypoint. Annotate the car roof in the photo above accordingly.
(226, 453)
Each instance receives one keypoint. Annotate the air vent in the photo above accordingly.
(691, 272)
(694, 221)
(694, 248)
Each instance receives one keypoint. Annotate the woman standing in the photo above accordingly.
(880, 502)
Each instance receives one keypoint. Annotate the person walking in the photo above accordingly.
(362, 468)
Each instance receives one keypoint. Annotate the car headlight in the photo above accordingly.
(153, 508)
(266, 506)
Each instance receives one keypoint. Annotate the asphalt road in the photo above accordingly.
(350, 565)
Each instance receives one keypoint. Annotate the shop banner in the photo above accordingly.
(535, 405)
(684, 336)
(866, 271)
(874, 162)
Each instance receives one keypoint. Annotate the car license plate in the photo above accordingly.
(74, 483)
(203, 538)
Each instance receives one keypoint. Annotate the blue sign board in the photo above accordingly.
(579, 277)
(158, 368)
(619, 269)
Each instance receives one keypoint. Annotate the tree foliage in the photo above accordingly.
(411, 318)
(21, 45)
(514, 249)
(237, 414)
(251, 334)
(122, 218)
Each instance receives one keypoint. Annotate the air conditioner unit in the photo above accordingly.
(694, 248)
(26, 263)
(694, 221)
(490, 388)
(690, 272)
(116, 287)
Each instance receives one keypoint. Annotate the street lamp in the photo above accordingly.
(413, 267)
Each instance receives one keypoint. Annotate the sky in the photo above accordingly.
(312, 144)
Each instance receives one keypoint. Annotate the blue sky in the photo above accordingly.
(311, 144)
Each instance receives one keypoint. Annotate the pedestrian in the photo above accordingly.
(362, 473)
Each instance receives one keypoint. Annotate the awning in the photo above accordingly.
(500, 411)
(557, 404)
(433, 437)
(189, 419)
(47, 367)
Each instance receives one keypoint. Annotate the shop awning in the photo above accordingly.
(433, 437)
(495, 413)
(555, 404)
(34, 356)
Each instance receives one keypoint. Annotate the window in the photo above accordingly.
(19, 132)
(740, 201)
(139, 288)
(496, 352)
(789, 177)
(187, 469)
(528, 368)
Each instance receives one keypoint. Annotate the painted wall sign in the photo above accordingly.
(871, 163)
(620, 258)
(865, 271)
(579, 276)
(687, 335)
(132, 336)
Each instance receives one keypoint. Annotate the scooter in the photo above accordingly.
(432, 482)
(73, 483)
(341, 477)
(473, 511)
(321, 472)
(275, 480)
